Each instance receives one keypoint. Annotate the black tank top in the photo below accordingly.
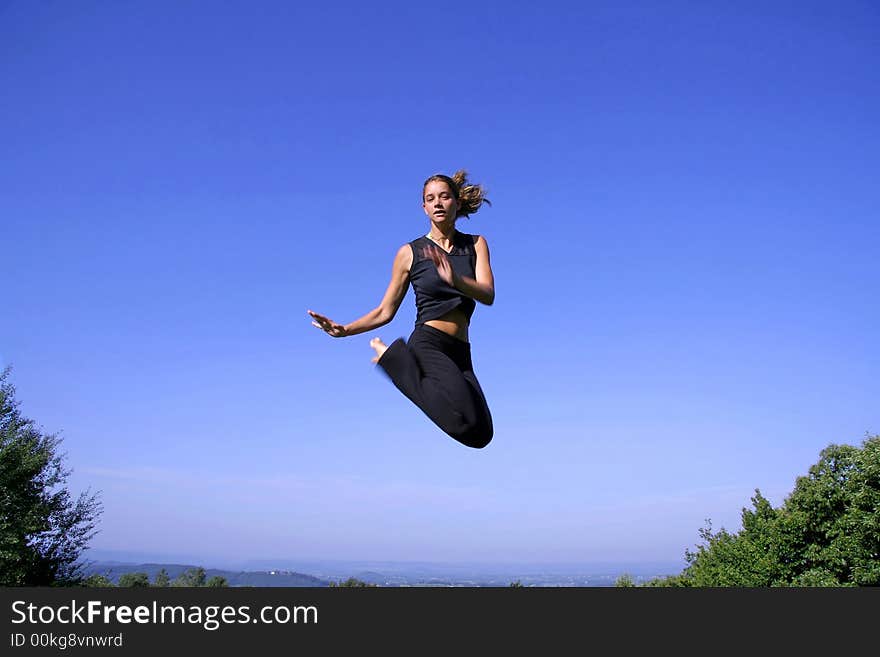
(434, 298)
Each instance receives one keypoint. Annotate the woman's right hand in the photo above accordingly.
(327, 325)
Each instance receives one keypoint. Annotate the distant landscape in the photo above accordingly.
(317, 573)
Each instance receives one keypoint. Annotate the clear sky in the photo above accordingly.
(684, 235)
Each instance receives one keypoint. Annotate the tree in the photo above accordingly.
(162, 579)
(133, 580)
(43, 530)
(826, 533)
(217, 580)
(192, 577)
(351, 582)
(625, 581)
(96, 581)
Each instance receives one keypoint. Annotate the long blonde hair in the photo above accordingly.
(469, 197)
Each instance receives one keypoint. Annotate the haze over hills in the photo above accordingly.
(319, 573)
(114, 569)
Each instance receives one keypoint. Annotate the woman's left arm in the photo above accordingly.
(482, 288)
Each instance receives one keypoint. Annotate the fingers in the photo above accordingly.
(321, 318)
(441, 262)
(324, 323)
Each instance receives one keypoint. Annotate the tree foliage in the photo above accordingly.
(97, 581)
(625, 581)
(162, 579)
(192, 577)
(43, 530)
(351, 582)
(826, 533)
(133, 580)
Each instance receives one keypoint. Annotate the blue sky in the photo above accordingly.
(684, 235)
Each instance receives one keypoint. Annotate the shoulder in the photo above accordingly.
(403, 259)
(481, 249)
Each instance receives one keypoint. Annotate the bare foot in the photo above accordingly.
(379, 347)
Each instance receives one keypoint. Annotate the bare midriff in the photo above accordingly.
(454, 323)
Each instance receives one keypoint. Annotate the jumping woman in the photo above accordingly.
(449, 272)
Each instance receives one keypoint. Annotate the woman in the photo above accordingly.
(449, 271)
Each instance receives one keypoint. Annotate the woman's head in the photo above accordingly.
(455, 193)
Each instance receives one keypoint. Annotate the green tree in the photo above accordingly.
(217, 580)
(43, 530)
(625, 581)
(133, 580)
(96, 581)
(162, 579)
(192, 577)
(826, 533)
(351, 582)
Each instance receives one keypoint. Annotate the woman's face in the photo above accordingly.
(439, 202)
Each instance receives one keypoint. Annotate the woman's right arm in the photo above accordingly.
(385, 311)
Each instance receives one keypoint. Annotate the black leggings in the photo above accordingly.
(434, 370)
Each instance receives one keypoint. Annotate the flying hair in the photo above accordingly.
(469, 196)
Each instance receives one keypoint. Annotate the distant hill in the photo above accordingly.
(371, 577)
(259, 573)
(113, 569)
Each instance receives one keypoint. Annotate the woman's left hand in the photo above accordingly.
(444, 269)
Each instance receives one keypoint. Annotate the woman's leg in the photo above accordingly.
(428, 371)
(482, 429)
